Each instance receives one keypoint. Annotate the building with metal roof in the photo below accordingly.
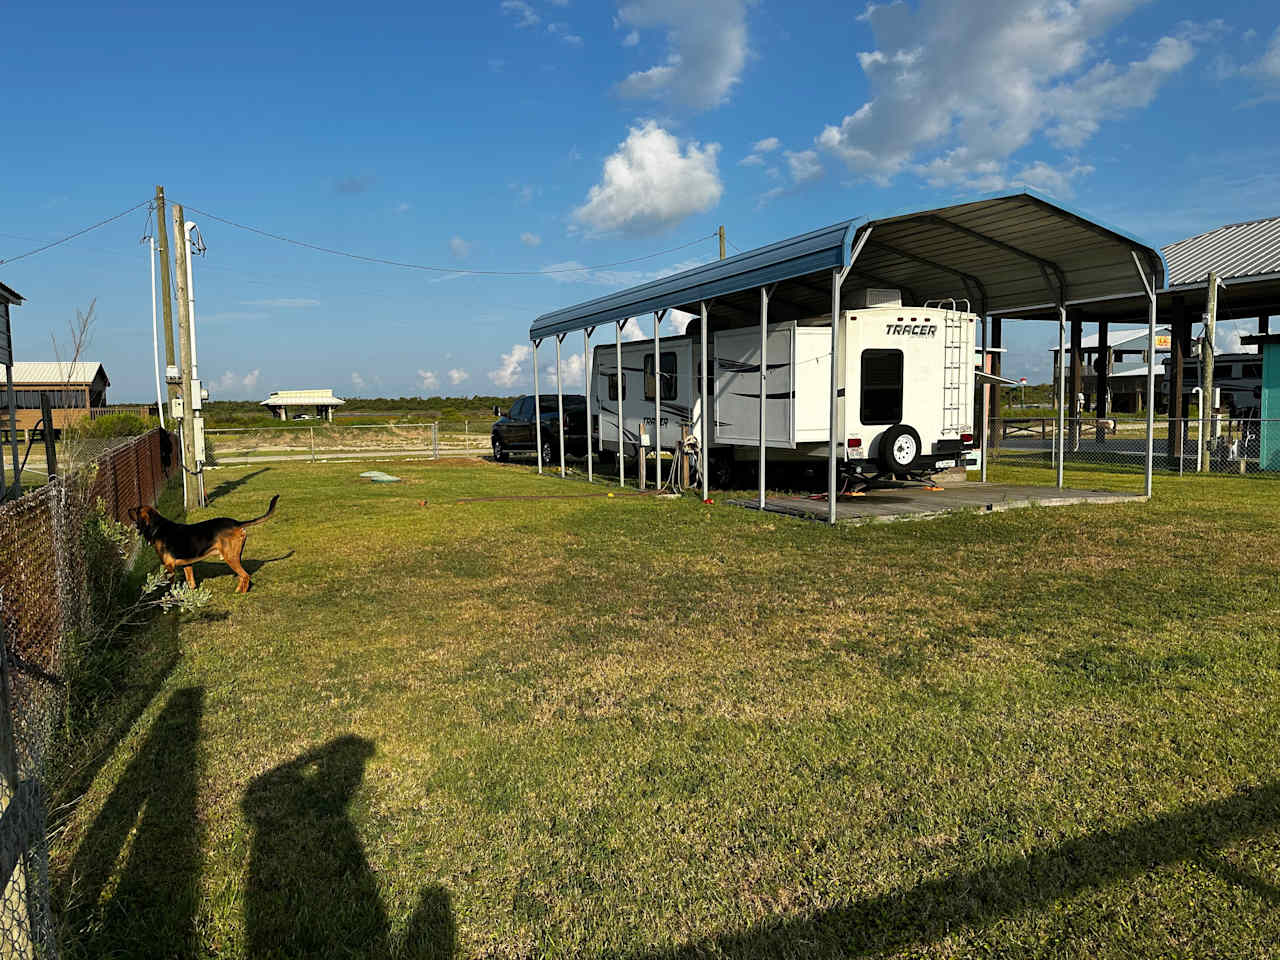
(1014, 254)
(286, 404)
(1237, 250)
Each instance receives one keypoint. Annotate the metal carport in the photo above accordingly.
(1011, 254)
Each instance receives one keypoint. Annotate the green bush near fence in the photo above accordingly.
(113, 425)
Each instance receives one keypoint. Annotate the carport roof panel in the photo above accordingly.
(812, 252)
(1005, 253)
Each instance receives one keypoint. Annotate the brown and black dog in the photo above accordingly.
(185, 544)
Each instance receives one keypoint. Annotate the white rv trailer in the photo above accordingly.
(681, 402)
(906, 410)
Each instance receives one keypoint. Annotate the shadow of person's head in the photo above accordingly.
(324, 779)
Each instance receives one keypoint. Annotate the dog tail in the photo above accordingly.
(271, 508)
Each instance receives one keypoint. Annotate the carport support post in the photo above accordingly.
(617, 359)
(560, 403)
(764, 362)
(586, 380)
(833, 411)
(1062, 388)
(1150, 286)
(537, 411)
(1151, 379)
(704, 460)
(986, 409)
(1077, 376)
(657, 401)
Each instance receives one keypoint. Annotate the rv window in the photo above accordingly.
(881, 386)
(668, 376)
(613, 386)
(1252, 371)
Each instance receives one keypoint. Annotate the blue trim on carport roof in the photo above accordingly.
(824, 249)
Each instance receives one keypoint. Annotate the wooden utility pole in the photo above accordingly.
(1207, 411)
(184, 339)
(166, 297)
(722, 241)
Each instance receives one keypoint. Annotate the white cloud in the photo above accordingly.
(511, 366)
(457, 375)
(357, 381)
(1267, 68)
(284, 303)
(803, 164)
(631, 39)
(706, 50)
(232, 383)
(680, 320)
(571, 367)
(1227, 338)
(633, 331)
(769, 196)
(651, 182)
(403, 207)
(530, 239)
(428, 379)
(571, 271)
(561, 30)
(459, 247)
(524, 14)
(756, 157)
(1030, 68)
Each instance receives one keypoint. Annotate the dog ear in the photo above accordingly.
(133, 514)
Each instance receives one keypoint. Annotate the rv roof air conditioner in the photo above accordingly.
(868, 297)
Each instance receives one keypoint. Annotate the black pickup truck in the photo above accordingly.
(516, 432)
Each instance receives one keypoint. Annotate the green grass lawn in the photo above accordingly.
(600, 727)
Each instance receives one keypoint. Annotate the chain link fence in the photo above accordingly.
(44, 602)
(1110, 453)
(335, 441)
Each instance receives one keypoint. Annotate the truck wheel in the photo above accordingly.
(899, 449)
(499, 451)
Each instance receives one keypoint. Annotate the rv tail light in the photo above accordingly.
(966, 439)
(855, 443)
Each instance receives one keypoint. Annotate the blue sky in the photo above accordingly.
(555, 134)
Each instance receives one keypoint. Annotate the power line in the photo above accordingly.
(78, 233)
(435, 269)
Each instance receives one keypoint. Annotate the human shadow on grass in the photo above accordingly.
(311, 892)
(228, 486)
(147, 905)
(904, 920)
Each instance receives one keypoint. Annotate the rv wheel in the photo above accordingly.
(899, 449)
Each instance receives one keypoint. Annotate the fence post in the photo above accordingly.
(50, 448)
(18, 834)
(435, 439)
(312, 430)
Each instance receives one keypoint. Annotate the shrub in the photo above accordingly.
(113, 425)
